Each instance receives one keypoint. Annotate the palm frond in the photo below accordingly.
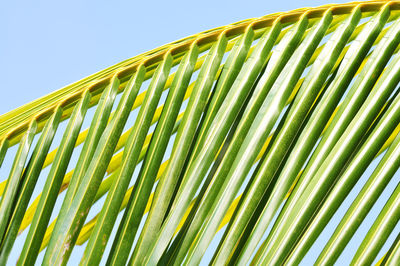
(258, 130)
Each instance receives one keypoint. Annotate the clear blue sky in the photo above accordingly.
(46, 45)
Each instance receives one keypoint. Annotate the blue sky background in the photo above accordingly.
(46, 45)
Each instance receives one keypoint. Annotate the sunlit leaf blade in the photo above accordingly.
(129, 226)
(3, 150)
(274, 66)
(65, 238)
(14, 178)
(30, 177)
(109, 212)
(392, 257)
(330, 168)
(228, 111)
(379, 231)
(184, 137)
(53, 183)
(231, 70)
(361, 205)
(307, 138)
(285, 82)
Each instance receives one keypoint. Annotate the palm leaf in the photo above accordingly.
(257, 131)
